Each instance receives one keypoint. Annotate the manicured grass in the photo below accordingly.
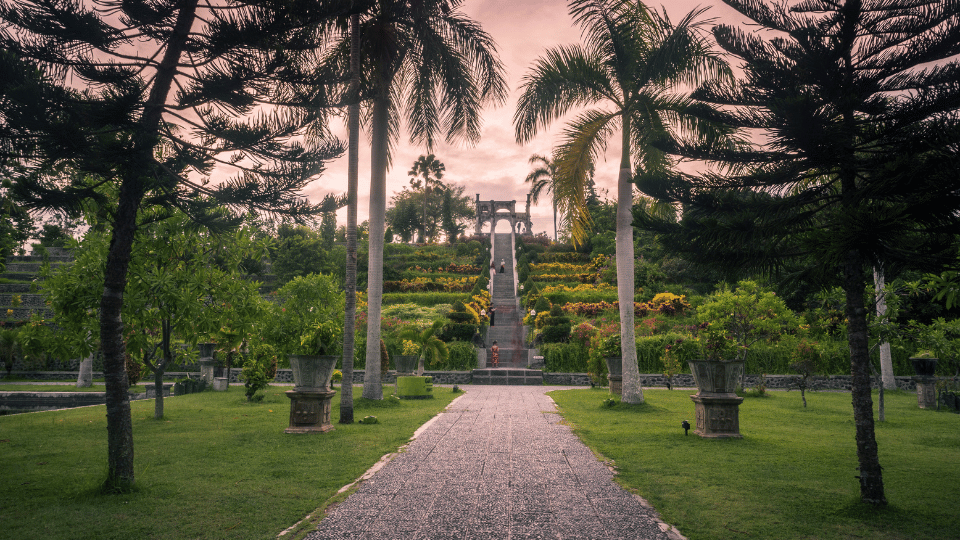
(792, 476)
(215, 467)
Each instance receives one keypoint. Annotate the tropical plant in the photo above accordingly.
(306, 317)
(429, 60)
(152, 125)
(426, 343)
(856, 103)
(425, 175)
(632, 60)
(541, 180)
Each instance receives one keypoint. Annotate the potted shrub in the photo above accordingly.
(720, 371)
(427, 343)
(316, 356)
(717, 406)
(406, 363)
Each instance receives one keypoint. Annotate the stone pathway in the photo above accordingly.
(497, 464)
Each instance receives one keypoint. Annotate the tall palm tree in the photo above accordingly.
(428, 60)
(541, 180)
(631, 66)
(425, 175)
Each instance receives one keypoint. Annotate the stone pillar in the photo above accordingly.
(926, 392)
(85, 378)
(206, 370)
(718, 415)
(481, 357)
(310, 411)
(616, 384)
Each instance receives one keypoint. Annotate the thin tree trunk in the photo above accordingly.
(372, 386)
(632, 392)
(871, 478)
(886, 360)
(119, 424)
(353, 159)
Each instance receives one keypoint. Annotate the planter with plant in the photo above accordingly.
(406, 363)
(717, 377)
(428, 345)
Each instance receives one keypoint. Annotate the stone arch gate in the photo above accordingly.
(493, 211)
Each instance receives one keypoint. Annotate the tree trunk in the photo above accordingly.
(871, 479)
(632, 392)
(119, 424)
(886, 360)
(372, 386)
(353, 160)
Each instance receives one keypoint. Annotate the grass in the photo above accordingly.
(216, 467)
(791, 476)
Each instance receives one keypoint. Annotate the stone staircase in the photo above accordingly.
(507, 330)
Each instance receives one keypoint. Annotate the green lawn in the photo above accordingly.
(792, 476)
(215, 467)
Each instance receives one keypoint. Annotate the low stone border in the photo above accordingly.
(647, 380)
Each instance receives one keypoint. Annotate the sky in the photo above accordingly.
(495, 168)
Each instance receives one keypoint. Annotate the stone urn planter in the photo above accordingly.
(206, 349)
(615, 374)
(406, 364)
(311, 394)
(924, 367)
(716, 402)
(311, 372)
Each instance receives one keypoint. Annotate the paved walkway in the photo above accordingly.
(497, 464)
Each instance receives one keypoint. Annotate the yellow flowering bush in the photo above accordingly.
(669, 304)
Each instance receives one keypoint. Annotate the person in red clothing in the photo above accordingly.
(495, 354)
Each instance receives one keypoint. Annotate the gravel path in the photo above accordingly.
(497, 464)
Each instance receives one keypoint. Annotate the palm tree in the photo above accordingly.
(541, 180)
(425, 175)
(633, 61)
(427, 59)
(428, 342)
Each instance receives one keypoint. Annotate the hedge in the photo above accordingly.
(425, 299)
(564, 357)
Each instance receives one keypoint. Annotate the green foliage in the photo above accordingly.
(564, 357)
(748, 315)
(310, 306)
(428, 343)
(255, 379)
(424, 299)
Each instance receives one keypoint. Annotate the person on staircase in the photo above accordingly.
(493, 311)
(501, 266)
(495, 354)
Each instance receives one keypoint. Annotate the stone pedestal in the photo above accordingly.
(206, 370)
(926, 392)
(310, 411)
(220, 384)
(616, 384)
(718, 415)
(481, 357)
(85, 377)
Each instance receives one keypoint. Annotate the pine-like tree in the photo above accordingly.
(857, 102)
(141, 100)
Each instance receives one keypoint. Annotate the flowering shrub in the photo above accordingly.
(669, 303)
(410, 348)
(583, 332)
(452, 268)
(592, 309)
(598, 287)
(560, 268)
(438, 284)
(569, 278)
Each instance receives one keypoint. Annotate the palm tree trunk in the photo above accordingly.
(632, 392)
(372, 386)
(886, 360)
(353, 160)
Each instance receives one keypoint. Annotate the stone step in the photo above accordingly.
(26, 300)
(508, 376)
(14, 288)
